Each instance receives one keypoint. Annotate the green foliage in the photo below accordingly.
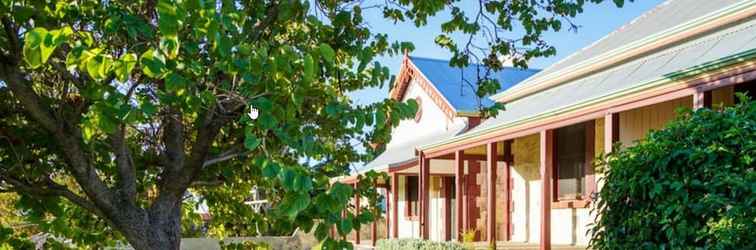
(112, 111)
(687, 186)
(416, 244)
(40, 44)
(468, 238)
(246, 245)
(10, 218)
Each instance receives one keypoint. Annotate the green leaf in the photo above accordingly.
(380, 118)
(148, 108)
(345, 225)
(287, 178)
(365, 217)
(88, 131)
(99, 67)
(87, 38)
(322, 231)
(168, 21)
(153, 64)
(170, 46)
(22, 12)
(223, 45)
(33, 47)
(174, 82)
(341, 192)
(327, 52)
(298, 203)
(251, 142)
(271, 170)
(85, 56)
(332, 109)
(39, 44)
(47, 46)
(124, 66)
(302, 183)
(309, 68)
(59, 36)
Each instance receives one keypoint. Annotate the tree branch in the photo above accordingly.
(173, 138)
(21, 88)
(270, 17)
(213, 183)
(172, 191)
(11, 31)
(126, 170)
(228, 155)
(67, 136)
(48, 189)
(171, 185)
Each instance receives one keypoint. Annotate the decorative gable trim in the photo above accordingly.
(402, 80)
(407, 73)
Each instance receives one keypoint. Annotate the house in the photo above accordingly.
(447, 106)
(458, 174)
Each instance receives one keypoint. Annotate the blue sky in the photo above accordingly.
(595, 22)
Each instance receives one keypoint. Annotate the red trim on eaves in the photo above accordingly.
(408, 72)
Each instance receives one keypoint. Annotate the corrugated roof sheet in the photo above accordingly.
(663, 17)
(458, 85)
(734, 40)
(400, 154)
(737, 39)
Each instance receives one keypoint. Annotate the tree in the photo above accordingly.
(114, 113)
(689, 185)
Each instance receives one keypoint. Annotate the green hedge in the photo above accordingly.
(416, 244)
(690, 185)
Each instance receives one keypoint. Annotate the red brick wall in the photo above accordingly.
(475, 197)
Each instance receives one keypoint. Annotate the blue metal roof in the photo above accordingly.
(450, 82)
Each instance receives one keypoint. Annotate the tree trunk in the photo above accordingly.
(160, 228)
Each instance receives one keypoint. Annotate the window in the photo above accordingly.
(411, 195)
(574, 152)
(749, 88)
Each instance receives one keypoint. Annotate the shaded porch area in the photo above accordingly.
(447, 195)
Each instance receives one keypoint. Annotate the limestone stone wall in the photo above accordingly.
(501, 188)
(436, 210)
(526, 189)
(406, 228)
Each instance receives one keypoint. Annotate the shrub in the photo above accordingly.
(468, 238)
(416, 244)
(245, 245)
(690, 185)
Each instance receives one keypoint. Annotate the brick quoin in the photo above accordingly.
(473, 192)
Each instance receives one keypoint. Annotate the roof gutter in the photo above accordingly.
(681, 32)
(660, 81)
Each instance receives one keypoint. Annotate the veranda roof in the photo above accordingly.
(405, 153)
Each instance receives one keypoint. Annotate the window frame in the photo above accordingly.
(409, 212)
(588, 183)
